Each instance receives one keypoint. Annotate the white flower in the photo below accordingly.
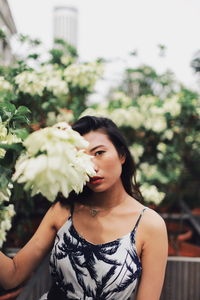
(6, 214)
(30, 82)
(53, 81)
(83, 75)
(148, 170)
(120, 116)
(3, 132)
(172, 106)
(6, 138)
(67, 59)
(127, 117)
(54, 162)
(136, 150)
(162, 147)
(57, 86)
(120, 96)
(64, 115)
(5, 85)
(95, 112)
(151, 193)
(136, 118)
(157, 124)
(2, 237)
(5, 193)
(168, 134)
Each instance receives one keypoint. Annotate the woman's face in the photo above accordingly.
(107, 162)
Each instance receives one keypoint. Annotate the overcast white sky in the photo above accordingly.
(113, 28)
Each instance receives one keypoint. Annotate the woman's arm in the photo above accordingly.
(15, 271)
(153, 258)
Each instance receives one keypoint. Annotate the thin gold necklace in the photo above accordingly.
(94, 211)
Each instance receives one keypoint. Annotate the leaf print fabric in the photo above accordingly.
(84, 271)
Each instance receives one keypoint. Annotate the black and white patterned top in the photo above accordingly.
(85, 271)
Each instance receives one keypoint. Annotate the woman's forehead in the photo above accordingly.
(97, 138)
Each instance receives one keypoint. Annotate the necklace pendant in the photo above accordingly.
(93, 212)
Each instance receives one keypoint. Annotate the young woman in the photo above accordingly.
(103, 241)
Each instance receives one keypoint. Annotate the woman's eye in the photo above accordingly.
(100, 152)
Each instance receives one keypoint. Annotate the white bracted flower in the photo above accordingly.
(6, 138)
(151, 193)
(137, 151)
(54, 162)
(53, 81)
(64, 115)
(83, 75)
(5, 193)
(6, 215)
(172, 106)
(148, 170)
(30, 82)
(162, 147)
(120, 96)
(5, 85)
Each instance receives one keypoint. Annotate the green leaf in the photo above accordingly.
(23, 110)
(15, 146)
(2, 34)
(12, 153)
(34, 56)
(7, 110)
(21, 119)
(20, 114)
(21, 133)
(4, 175)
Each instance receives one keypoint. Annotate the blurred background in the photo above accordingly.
(162, 34)
(136, 62)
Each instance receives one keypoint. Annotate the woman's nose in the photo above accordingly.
(95, 165)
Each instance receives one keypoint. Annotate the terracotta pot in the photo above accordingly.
(181, 232)
(196, 211)
(36, 126)
(187, 249)
(178, 234)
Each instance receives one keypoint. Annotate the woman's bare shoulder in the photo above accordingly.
(59, 214)
(153, 222)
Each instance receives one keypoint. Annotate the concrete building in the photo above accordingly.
(8, 26)
(65, 24)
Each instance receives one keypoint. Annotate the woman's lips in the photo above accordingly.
(96, 180)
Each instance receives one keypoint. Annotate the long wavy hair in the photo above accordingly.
(128, 175)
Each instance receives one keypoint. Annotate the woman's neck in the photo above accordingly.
(109, 198)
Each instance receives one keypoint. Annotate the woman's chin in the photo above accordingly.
(96, 187)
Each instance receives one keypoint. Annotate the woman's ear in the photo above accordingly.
(122, 158)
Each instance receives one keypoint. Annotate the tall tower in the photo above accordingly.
(65, 24)
(7, 24)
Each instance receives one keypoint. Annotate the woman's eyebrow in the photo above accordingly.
(96, 147)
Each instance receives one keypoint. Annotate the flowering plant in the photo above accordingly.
(10, 140)
(55, 89)
(58, 82)
(6, 213)
(54, 162)
(163, 135)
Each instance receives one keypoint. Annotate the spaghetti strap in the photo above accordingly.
(139, 218)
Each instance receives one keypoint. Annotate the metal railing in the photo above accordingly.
(182, 280)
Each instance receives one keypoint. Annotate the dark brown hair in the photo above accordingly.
(128, 176)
